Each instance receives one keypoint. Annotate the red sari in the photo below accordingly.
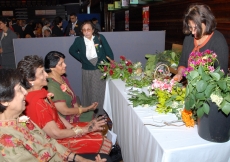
(42, 112)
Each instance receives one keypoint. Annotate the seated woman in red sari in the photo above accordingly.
(80, 138)
(64, 97)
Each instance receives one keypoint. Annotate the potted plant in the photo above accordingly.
(208, 96)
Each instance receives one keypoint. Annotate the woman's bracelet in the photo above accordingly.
(78, 131)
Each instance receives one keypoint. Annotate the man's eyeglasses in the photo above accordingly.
(192, 28)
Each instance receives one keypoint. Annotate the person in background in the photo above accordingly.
(6, 45)
(27, 29)
(21, 139)
(38, 29)
(9, 24)
(47, 33)
(65, 99)
(97, 25)
(73, 27)
(199, 25)
(57, 28)
(45, 27)
(78, 137)
(90, 49)
(17, 27)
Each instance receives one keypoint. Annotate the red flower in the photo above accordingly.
(30, 125)
(130, 70)
(112, 65)
(6, 140)
(110, 72)
(128, 63)
(105, 68)
(120, 66)
(122, 58)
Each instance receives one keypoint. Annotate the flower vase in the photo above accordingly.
(215, 126)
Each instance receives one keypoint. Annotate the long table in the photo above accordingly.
(147, 143)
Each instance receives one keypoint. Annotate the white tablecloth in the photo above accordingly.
(144, 143)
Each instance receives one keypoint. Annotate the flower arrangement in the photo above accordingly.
(206, 84)
(170, 95)
(122, 70)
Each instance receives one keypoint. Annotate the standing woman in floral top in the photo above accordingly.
(90, 49)
(21, 140)
(64, 97)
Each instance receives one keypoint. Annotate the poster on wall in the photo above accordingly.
(145, 15)
(127, 20)
(7, 13)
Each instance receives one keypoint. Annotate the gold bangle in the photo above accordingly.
(78, 131)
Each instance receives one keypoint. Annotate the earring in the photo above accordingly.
(32, 83)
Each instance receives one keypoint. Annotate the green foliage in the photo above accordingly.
(142, 99)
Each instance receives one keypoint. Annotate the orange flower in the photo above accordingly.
(187, 118)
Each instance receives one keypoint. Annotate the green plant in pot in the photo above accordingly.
(208, 96)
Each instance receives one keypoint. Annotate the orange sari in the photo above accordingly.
(42, 112)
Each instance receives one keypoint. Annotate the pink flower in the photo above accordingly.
(128, 63)
(211, 68)
(112, 65)
(63, 87)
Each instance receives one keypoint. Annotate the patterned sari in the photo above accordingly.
(42, 112)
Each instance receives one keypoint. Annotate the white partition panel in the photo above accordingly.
(133, 45)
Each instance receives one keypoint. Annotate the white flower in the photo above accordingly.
(120, 74)
(217, 99)
(102, 62)
(23, 119)
(104, 74)
(174, 104)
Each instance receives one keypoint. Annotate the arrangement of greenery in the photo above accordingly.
(122, 70)
(139, 83)
(168, 57)
(142, 99)
(205, 84)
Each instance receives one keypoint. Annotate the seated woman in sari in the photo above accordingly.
(81, 137)
(21, 140)
(64, 97)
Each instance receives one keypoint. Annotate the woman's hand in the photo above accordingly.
(95, 125)
(98, 159)
(93, 106)
(178, 77)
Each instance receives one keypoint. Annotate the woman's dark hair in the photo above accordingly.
(199, 14)
(52, 59)
(4, 20)
(93, 27)
(9, 78)
(57, 20)
(27, 67)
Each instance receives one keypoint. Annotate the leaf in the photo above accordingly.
(215, 76)
(209, 90)
(225, 107)
(201, 85)
(189, 102)
(200, 112)
(205, 77)
(206, 108)
(222, 84)
(200, 96)
(200, 70)
(227, 98)
(194, 74)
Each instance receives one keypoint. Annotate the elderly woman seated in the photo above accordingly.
(64, 97)
(81, 137)
(20, 138)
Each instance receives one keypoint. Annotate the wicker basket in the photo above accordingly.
(162, 71)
